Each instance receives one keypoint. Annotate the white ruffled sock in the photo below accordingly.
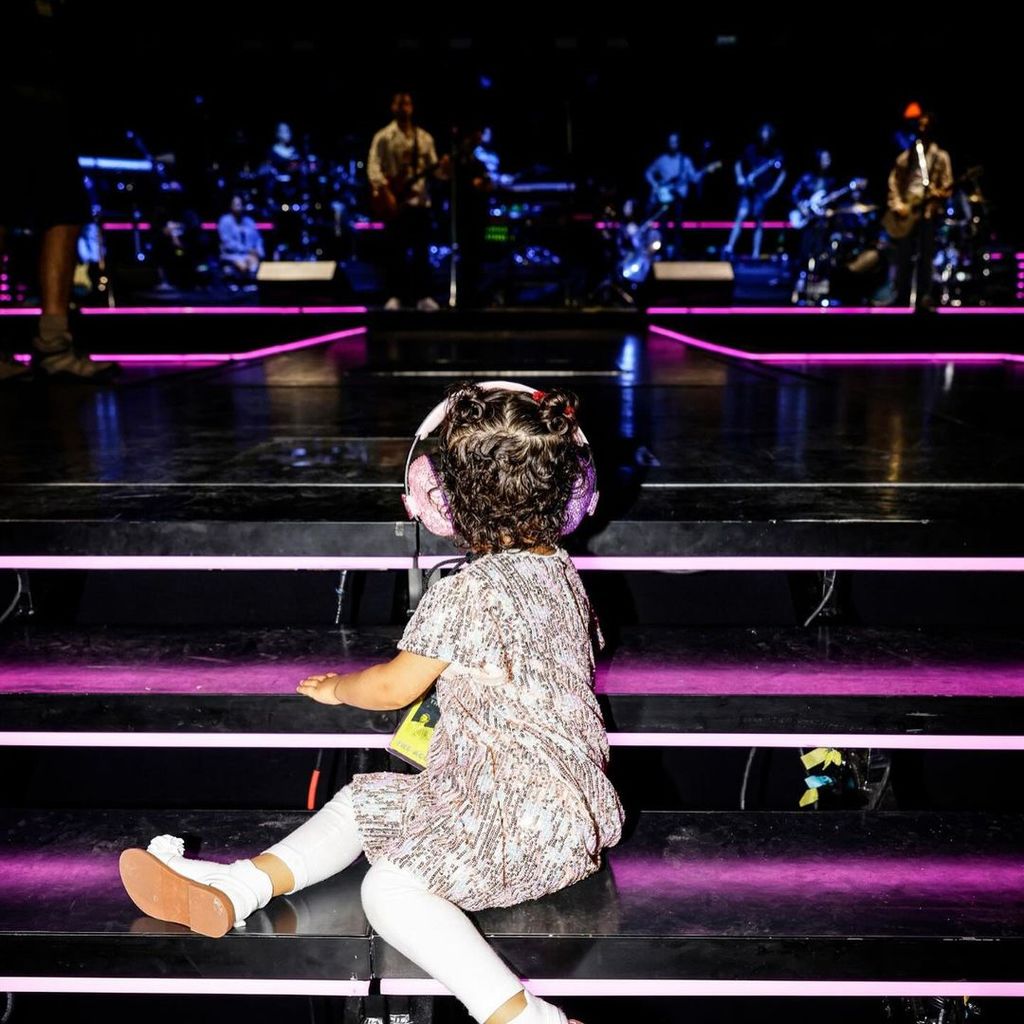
(248, 888)
(539, 1012)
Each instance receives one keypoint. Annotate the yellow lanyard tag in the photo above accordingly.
(411, 741)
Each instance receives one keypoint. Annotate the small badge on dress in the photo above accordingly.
(411, 741)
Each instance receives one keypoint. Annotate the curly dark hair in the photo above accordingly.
(508, 462)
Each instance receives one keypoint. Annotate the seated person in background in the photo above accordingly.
(241, 247)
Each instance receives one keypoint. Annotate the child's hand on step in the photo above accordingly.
(320, 688)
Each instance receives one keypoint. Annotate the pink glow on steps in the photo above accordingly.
(617, 563)
(837, 357)
(208, 358)
(217, 310)
(378, 741)
(189, 986)
(727, 987)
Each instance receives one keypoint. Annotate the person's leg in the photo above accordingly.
(757, 208)
(923, 268)
(56, 271)
(419, 252)
(395, 247)
(903, 266)
(439, 938)
(57, 268)
(210, 896)
(678, 235)
(741, 216)
(54, 349)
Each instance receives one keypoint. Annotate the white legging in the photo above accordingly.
(433, 933)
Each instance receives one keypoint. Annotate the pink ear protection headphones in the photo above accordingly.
(425, 499)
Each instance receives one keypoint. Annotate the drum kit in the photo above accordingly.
(836, 243)
(311, 203)
(843, 248)
(962, 235)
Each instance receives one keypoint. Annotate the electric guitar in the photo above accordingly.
(815, 205)
(750, 180)
(666, 192)
(387, 200)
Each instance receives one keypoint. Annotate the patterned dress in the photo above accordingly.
(514, 802)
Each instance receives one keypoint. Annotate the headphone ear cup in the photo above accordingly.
(583, 500)
(427, 500)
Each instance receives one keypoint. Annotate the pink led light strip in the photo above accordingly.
(778, 310)
(378, 741)
(189, 986)
(726, 987)
(618, 563)
(206, 225)
(195, 310)
(225, 740)
(637, 563)
(699, 225)
(218, 357)
(217, 310)
(837, 357)
(598, 987)
(828, 310)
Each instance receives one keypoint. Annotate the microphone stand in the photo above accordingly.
(453, 210)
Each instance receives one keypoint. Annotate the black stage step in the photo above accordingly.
(360, 526)
(936, 687)
(836, 897)
(297, 462)
(759, 899)
(64, 913)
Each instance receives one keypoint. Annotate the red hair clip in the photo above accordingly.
(570, 411)
(538, 395)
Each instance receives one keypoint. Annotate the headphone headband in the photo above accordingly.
(424, 496)
(436, 416)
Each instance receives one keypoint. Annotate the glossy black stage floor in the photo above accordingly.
(701, 457)
(731, 488)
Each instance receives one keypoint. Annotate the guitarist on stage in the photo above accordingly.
(808, 214)
(760, 173)
(402, 157)
(920, 182)
(670, 177)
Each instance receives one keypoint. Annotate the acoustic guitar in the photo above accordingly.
(899, 225)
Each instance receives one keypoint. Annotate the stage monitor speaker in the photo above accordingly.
(297, 270)
(690, 283)
(300, 280)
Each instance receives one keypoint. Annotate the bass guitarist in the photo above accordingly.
(920, 183)
(402, 157)
(760, 173)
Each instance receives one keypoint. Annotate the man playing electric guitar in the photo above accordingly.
(920, 182)
(402, 157)
(670, 176)
(759, 176)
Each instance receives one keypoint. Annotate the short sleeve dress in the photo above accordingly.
(514, 802)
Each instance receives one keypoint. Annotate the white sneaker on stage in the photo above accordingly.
(393, 303)
(427, 305)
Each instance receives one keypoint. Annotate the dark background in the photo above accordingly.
(588, 94)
